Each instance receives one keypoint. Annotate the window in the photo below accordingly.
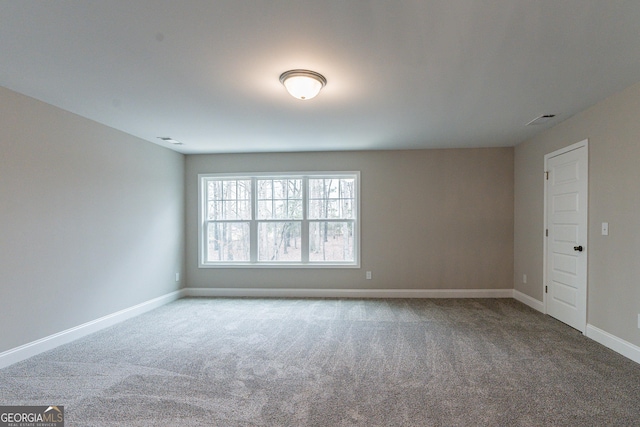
(286, 220)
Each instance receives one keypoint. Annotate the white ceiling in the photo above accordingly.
(401, 74)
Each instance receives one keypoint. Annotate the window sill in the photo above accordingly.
(281, 265)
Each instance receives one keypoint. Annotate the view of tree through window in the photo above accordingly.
(331, 200)
(287, 219)
(228, 212)
(279, 199)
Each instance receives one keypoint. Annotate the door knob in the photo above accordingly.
(578, 248)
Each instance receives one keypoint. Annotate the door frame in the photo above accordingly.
(572, 147)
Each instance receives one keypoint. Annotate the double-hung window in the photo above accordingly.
(284, 219)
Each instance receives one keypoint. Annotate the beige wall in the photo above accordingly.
(91, 220)
(431, 219)
(613, 130)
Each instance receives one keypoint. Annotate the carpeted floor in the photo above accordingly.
(324, 362)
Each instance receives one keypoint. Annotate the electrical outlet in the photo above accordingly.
(368, 275)
(524, 278)
(177, 277)
(605, 228)
(638, 321)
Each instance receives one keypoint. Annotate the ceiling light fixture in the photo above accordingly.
(303, 84)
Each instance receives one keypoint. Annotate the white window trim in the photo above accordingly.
(305, 263)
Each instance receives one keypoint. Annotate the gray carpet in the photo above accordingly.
(290, 362)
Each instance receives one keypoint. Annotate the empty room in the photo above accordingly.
(319, 213)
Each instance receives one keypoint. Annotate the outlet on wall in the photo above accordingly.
(524, 278)
(368, 275)
(638, 321)
(177, 277)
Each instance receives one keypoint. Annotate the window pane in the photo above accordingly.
(280, 209)
(348, 212)
(265, 188)
(332, 198)
(279, 198)
(214, 210)
(279, 241)
(229, 190)
(264, 209)
(228, 199)
(228, 241)
(331, 241)
(347, 188)
(214, 190)
(280, 189)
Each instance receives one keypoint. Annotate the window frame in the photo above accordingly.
(255, 221)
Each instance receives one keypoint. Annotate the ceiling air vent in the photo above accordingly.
(542, 119)
(170, 140)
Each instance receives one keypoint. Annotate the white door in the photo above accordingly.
(566, 243)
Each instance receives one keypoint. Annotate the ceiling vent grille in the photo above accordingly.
(170, 140)
(541, 119)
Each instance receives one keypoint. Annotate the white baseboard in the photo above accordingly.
(348, 293)
(33, 348)
(616, 344)
(526, 299)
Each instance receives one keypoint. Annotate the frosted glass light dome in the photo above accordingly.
(303, 84)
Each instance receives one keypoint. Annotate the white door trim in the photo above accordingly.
(572, 147)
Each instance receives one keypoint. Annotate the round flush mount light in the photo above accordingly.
(303, 84)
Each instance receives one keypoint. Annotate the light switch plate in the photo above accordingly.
(605, 228)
